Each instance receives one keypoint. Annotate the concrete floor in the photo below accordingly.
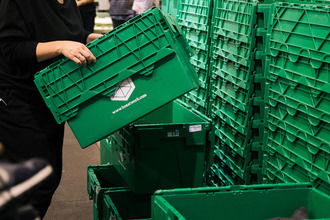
(70, 201)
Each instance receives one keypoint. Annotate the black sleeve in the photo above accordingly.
(86, 33)
(15, 43)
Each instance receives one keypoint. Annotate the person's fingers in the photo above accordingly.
(76, 60)
(78, 53)
(82, 59)
(88, 55)
(85, 56)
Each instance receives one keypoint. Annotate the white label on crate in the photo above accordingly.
(130, 103)
(195, 128)
(173, 134)
(124, 90)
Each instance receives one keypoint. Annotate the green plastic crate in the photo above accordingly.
(203, 77)
(300, 71)
(310, 111)
(112, 199)
(190, 100)
(123, 204)
(300, 97)
(231, 93)
(278, 169)
(217, 181)
(198, 96)
(302, 31)
(170, 6)
(199, 40)
(101, 178)
(223, 177)
(165, 149)
(300, 124)
(258, 202)
(140, 66)
(231, 136)
(200, 59)
(195, 14)
(194, 17)
(108, 151)
(292, 109)
(233, 72)
(240, 166)
(230, 126)
(312, 159)
(239, 120)
(106, 156)
(223, 142)
(228, 169)
(241, 53)
(310, 139)
(235, 19)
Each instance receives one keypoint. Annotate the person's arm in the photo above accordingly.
(83, 2)
(75, 51)
(17, 48)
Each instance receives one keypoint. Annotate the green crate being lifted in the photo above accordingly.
(141, 65)
(257, 202)
(165, 149)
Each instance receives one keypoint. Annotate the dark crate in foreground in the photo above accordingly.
(112, 199)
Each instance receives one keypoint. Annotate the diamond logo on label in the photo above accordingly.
(124, 90)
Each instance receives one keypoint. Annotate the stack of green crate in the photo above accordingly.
(298, 134)
(194, 17)
(237, 104)
(170, 6)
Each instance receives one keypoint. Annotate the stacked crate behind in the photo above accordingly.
(170, 6)
(194, 17)
(297, 139)
(238, 85)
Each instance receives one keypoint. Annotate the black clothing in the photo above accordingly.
(88, 14)
(25, 23)
(121, 11)
(116, 23)
(27, 127)
(29, 130)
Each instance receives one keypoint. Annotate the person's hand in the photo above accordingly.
(93, 36)
(77, 52)
(83, 2)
